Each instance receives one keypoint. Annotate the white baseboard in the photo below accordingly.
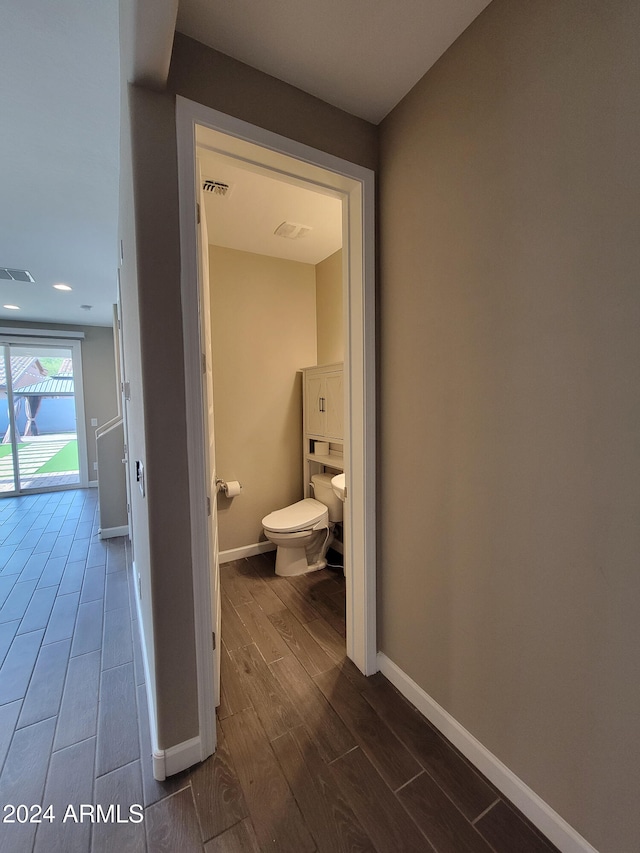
(549, 822)
(110, 532)
(92, 484)
(172, 760)
(246, 551)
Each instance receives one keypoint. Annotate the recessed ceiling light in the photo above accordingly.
(62, 287)
(12, 307)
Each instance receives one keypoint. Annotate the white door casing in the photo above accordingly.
(354, 184)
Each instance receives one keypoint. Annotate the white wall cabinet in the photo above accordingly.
(324, 402)
(323, 421)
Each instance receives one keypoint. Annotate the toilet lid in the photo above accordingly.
(298, 516)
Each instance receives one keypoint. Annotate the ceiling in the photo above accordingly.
(256, 204)
(360, 55)
(59, 102)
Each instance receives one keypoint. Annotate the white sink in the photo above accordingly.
(338, 485)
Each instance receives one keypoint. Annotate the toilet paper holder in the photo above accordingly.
(231, 488)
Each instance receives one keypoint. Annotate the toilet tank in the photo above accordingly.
(323, 492)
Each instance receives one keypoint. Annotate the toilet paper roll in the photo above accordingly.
(232, 489)
(321, 448)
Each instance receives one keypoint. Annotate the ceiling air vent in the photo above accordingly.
(8, 274)
(216, 187)
(292, 230)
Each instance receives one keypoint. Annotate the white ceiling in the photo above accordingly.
(59, 103)
(257, 204)
(360, 55)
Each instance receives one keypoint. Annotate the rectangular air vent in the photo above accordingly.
(8, 274)
(216, 187)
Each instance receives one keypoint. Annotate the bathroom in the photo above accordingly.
(276, 307)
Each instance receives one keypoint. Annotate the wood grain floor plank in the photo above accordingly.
(17, 601)
(293, 600)
(69, 782)
(22, 781)
(234, 584)
(330, 733)
(45, 688)
(52, 572)
(271, 703)
(274, 813)
(332, 609)
(392, 759)
(38, 611)
(262, 631)
(172, 825)
(16, 670)
(376, 807)
(468, 790)
(310, 654)
(121, 787)
(261, 590)
(241, 838)
(78, 716)
(217, 793)
(63, 618)
(87, 636)
(506, 831)
(236, 696)
(331, 821)
(93, 584)
(118, 742)
(442, 823)
(234, 632)
(9, 714)
(117, 644)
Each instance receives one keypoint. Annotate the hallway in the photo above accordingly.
(311, 754)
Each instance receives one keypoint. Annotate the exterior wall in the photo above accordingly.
(263, 331)
(329, 309)
(510, 403)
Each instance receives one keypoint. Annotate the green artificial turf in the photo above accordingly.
(65, 460)
(5, 449)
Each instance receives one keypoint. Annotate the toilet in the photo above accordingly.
(303, 531)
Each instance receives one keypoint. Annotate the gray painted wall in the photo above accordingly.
(510, 402)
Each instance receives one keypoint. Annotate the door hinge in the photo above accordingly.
(213, 638)
(204, 362)
(198, 213)
(208, 505)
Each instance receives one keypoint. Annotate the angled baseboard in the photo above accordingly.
(541, 815)
(245, 551)
(110, 532)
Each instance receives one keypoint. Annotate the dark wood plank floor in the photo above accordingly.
(312, 756)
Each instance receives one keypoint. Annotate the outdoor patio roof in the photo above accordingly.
(53, 386)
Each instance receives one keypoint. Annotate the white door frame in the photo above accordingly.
(355, 185)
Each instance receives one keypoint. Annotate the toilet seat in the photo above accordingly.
(308, 514)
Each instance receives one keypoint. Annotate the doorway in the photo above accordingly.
(354, 186)
(42, 438)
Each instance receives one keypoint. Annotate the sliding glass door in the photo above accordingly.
(39, 417)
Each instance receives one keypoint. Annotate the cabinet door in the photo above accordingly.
(314, 414)
(334, 406)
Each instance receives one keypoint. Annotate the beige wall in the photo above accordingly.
(264, 331)
(510, 402)
(329, 309)
(98, 374)
(218, 81)
(157, 431)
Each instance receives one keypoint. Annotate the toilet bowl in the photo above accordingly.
(302, 531)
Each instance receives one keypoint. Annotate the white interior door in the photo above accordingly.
(207, 398)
